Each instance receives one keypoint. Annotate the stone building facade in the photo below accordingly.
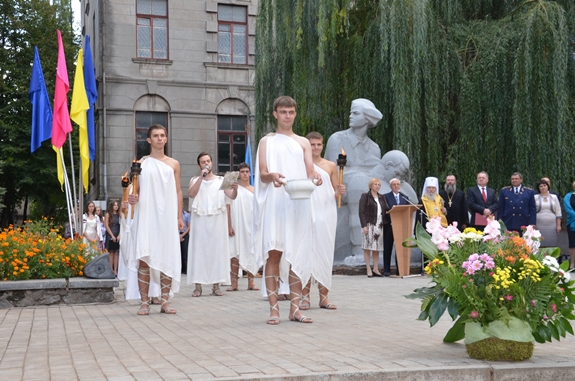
(187, 64)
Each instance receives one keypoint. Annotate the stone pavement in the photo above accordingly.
(372, 336)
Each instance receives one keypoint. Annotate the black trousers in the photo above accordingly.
(387, 249)
(184, 253)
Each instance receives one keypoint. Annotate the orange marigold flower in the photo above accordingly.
(15, 273)
(510, 259)
(22, 270)
(1, 260)
(43, 276)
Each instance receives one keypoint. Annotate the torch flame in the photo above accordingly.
(342, 151)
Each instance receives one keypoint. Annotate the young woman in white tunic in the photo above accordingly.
(208, 249)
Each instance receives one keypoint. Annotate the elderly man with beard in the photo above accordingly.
(433, 204)
(455, 203)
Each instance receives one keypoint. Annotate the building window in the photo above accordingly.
(232, 34)
(232, 141)
(143, 121)
(152, 28)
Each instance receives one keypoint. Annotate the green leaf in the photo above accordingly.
(564, 266)
(423, 315)
(554, 331)
(424, 242)
(409, 242)
(453, 308)
(560, 328)
(550, 251)
(567, 325)
(538, 338)
(544, 332)
(455, 333)
(437, 309)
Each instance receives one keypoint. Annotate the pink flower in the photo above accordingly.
(490, 265)
(508, 297)
(534, 303)
(466, 264)
(485, 257)
(473, 257)
(554, 307)
(476, 265)
(474, 314)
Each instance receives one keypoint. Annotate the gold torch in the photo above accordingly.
(341, 162)
(136, 169)
(125, 185)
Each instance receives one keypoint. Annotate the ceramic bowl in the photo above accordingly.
(299, 189)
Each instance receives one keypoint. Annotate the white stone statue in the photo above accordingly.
(364, 161)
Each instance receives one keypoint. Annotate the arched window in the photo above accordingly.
(233, 128)
(149, 109)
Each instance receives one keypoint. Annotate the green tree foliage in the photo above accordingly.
(463, 85)
(24, 24)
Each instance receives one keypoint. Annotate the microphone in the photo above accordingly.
(205, 173)
(418, 208)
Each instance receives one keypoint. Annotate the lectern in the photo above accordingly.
(402, 225)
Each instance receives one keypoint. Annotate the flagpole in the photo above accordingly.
(71, 212)
(73, 173)
(81, 193)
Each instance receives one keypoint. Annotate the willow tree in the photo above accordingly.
(463, 85)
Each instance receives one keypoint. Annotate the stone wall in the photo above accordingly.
(56, 291)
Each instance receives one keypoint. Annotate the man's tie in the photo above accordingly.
(483, 194)
(397, 199)
(516, 190)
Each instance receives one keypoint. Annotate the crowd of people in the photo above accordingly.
(237, 227)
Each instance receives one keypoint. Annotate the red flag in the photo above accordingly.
(61, 124)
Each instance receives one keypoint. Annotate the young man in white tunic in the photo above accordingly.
(155, 242)
(282, 226)
(240, 221)
(323, 202)
(208, 249)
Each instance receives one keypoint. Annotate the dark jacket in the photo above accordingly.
(368, 209)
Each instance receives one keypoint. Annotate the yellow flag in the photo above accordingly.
(59, 167)
(78, 111)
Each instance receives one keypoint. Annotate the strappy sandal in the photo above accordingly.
(304, 303)
(169, 310)
(144, 278)
(232, 287)
(273, 320)
(216, 290)
(144, 308)
(251, 285)
(324, 299)
(197, 291)
(293, 298)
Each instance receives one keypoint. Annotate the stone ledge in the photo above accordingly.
(42, 284)
(46, 292)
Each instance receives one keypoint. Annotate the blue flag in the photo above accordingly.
(248, 160)
(92, 94)
(41, 107)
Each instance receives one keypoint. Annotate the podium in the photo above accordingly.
(402, 226)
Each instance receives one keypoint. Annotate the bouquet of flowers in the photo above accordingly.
(495, 283)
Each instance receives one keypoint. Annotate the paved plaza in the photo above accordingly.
(373, 335)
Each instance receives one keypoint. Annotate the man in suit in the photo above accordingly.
(395, 197)
(517, 205)
(482, 202)
(455, 203)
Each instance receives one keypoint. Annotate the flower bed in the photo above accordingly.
(37, 251)
(493, 280)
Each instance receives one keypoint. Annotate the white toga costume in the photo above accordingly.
(281, 223)
(324, 226)
(154, 236)
(208, 250)
(242, 210)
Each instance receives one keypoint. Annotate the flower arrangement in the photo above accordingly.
(495, 283)
(37, 251)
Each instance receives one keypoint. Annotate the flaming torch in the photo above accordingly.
(341, 162)
(135, 172)
(125, 185)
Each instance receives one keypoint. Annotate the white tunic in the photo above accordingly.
(154, 231)
(208, 250)
(281, 223)
(324, 226)
(242, 211)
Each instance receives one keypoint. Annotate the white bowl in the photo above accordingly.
(300, 189)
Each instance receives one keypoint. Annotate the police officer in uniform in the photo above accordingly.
(517, 205)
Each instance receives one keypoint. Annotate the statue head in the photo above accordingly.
(363, 113)
(394, 164)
